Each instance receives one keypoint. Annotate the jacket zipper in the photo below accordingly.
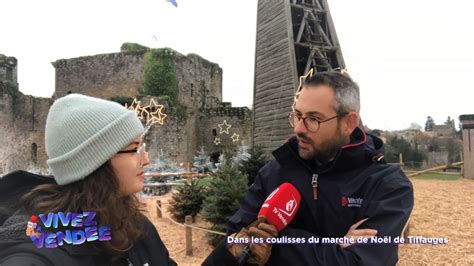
(314, 183)
(314, 179)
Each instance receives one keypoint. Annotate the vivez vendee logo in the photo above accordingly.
(87, 229)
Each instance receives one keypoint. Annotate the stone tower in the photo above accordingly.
(8, 69)
(293, 36)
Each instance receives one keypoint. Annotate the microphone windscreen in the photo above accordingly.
(281, 206)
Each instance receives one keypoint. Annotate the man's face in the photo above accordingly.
(317, 102)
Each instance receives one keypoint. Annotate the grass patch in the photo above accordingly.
(204, 181)
(437, 176)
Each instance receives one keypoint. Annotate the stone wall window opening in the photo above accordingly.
(3, 72)
(9, 75)
(34, 151)
(214, 132)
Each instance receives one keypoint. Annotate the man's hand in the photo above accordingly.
(357, 233)
(260, 252)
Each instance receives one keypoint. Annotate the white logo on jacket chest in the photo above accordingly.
(351, 202)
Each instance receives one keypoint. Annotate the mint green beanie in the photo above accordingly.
(83, 132)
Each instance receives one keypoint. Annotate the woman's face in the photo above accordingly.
(128, 167)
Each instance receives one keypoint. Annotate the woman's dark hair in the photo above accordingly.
(98, 192)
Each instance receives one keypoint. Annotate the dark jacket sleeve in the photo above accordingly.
(24, 259)
(388, 211)
(220, 256)
(153, 246)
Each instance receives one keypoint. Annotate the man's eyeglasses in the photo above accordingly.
(140, 151)
(312, 124)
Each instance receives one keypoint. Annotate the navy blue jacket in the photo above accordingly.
(352, 187)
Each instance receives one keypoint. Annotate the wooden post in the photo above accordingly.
(462, 165)
(401, 160)
(189, 235)
(189, 178)
(158, 208)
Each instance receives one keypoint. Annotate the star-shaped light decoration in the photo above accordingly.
(224, 125)
(217, 141)
(150, 114)
(300, 86)
(304, 77)
(144, 116)
(160, 119)
(156, 116)
(135, 106)
(235, 137)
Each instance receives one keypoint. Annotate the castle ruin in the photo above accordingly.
(191, 122)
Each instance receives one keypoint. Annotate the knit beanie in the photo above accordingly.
(83, 132)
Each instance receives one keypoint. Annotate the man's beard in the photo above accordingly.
(324, 152)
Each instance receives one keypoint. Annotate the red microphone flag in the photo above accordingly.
(280, 206)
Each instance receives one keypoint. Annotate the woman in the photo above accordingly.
(96, 155)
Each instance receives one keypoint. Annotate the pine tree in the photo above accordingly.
(242, 155)
(221, 161)
(255, 161)
(187, 201)
(429, 123)
(202, 162)
(226, 190)
(163, 165)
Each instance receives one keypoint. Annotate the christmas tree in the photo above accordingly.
(226, 190)
(242, 155)
(202, 162)
(252, 164)
(163, 165)
(187, 200)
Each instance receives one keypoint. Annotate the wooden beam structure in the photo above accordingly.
(293, 36)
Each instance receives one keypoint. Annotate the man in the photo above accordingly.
(346, 188)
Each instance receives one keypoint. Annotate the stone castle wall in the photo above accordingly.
(103, 76)
(22, 132)
(186, 129)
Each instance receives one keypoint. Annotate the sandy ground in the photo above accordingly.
(173, 235)
(443, 208)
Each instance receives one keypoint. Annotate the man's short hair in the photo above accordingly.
(346, 91)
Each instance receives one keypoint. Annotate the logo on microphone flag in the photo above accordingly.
(290, 207)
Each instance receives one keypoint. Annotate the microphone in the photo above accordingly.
(278, 210)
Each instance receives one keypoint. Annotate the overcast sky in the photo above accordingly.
(411, 58)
